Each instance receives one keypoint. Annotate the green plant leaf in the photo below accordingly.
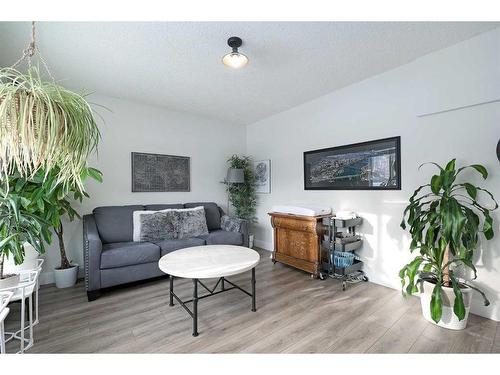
(485, 300)
(450, 167)
(458, 306)
(436, 183)
(471, 190)
(95, 174)
(436, 304)
(481, 170)
(488, 226)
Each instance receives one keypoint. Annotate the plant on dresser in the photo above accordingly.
(445, 218)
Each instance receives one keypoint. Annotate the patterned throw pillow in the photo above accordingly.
(158, 226)
(190, 222)
(230, 224)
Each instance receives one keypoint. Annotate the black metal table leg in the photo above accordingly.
(222, 283)
(253, 289)
(195, 307)
(171, 291)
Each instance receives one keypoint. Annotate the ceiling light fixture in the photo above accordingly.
(235, 59)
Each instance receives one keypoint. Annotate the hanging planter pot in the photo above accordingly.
(43, 125)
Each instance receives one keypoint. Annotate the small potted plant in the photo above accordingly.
(444, 219)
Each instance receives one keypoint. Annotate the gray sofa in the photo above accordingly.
(112, 258)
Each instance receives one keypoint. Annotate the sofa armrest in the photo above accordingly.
(232, 224)
(92, 247)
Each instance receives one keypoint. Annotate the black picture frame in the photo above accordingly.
(160, 173)
(355, 148)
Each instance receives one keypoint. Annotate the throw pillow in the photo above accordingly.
(137, 224)
(230, 224)
(190, 222)
(157, 227)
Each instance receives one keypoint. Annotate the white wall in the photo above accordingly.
(384, 106)
(130, 126)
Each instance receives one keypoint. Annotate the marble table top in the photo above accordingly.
(209, 261)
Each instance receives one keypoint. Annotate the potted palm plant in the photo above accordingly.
(444, 219)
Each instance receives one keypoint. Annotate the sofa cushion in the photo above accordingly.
(168, 246)
(212, 213)
(114, 223)
(157, 227)
(222, 237)
(231, 224)
(120, 254)
(189, 222)
(163, 225)
(159, 207)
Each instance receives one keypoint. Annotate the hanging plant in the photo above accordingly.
(43, 125)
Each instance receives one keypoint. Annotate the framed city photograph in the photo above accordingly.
(160, 173)
(373, 165)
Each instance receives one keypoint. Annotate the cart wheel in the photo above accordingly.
(321, 276)
(343, 286)
(365, 278)
(312, 275)
(274, 262)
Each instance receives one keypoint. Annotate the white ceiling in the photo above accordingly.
(177, 65)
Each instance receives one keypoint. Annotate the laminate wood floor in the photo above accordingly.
(295, 314)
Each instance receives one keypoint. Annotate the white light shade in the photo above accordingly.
(235, 60)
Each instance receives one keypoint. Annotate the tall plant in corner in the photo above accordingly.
(445, 219)
(243, 196)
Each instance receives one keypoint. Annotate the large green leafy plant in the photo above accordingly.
(445, 218)
(243, 196)
(20, 223)
(50, 200)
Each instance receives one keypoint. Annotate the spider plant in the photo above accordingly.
(444, 219)
(43, 126)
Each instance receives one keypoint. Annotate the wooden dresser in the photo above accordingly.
(297, 241)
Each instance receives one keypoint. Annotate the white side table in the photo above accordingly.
(22, 291)
(4, 311)
(204, 262)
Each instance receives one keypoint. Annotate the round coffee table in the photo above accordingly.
(205, 262)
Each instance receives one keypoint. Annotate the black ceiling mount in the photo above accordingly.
(234, 42)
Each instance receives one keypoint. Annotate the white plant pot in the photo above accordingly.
(10, 281)
(30, 260)
(448, 320)
(66, 278)
(250, 240)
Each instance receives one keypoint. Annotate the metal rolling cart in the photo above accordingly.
(344, 242)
